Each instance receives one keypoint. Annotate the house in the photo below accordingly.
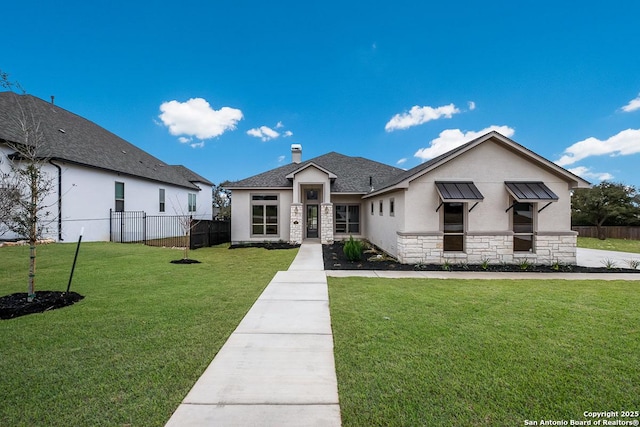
(96, 172)
(490, 199)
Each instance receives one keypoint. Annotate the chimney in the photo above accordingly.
(52, 99)
(296, 153)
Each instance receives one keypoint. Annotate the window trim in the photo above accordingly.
(346, 223)
(392, 206)
(462, 233)
(264, 200)
(118, 199)
(381, 209)
(192, 207)
(533, 226)
(161, 200)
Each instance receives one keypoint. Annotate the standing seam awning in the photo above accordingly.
(459, 191)
(530, 191)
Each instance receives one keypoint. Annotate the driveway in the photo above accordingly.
(599, 258)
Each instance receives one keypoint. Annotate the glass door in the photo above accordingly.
(312, 221)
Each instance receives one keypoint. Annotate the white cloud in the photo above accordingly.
(287, 134)
(472, 105)
(624, 143)
(452, 138)
(279, 125)
(419, 115)
(184, 139)
(197, 144)
(633, 105)
(401, 161)
(281, 159)
(586, 173)
(195, 117)
(263, 132)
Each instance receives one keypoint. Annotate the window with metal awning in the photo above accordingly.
(461, 191)
(530, 192)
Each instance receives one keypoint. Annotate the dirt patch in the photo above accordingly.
(16, 305)
(375, 259)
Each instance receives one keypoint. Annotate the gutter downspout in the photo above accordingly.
(59, 199)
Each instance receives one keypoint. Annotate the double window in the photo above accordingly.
(264, 215)
(191, 206)
(347, 218)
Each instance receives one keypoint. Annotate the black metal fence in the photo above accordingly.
(167, 230)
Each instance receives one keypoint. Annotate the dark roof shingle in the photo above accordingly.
(71, 138)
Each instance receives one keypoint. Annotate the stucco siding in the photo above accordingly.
(382, 227)
(241, 215)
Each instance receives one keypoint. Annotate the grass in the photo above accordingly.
(619, 245)
(130, 351)
(412, 352)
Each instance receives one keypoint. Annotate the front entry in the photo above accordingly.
(312, 221)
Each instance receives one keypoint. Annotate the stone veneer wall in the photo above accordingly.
(497, 248)
(295, 228)
(326, 223)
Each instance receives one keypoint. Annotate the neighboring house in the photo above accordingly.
(489, 199)
(96, 172)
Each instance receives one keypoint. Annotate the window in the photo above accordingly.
(381, 210)
(392, 207)
(453, 227)
(523, 227)
(119, 196)
(372, 208)
(347, 218)
(192, 202)
(264, 215)
(161, 200)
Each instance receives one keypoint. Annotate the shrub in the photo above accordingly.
(353, 249)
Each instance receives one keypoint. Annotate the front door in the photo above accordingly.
(312, 221)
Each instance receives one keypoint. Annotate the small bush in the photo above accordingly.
(353, 249)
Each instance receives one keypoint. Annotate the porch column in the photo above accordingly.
(326, 223)
(295, 228)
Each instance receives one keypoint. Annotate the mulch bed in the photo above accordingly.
(334, 259)
(265, 245)
(184, 261)
(16, 305)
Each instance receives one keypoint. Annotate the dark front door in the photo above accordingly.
(312, 221)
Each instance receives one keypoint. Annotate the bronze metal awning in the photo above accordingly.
(530, 192)
(460, 191)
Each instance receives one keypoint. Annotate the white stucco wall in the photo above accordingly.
(488, 226)
(88, 194)
(382, 228)
(241, 215)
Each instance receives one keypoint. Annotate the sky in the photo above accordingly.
(225, 88)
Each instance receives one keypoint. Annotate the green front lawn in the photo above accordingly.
(130, 351)
(440, 352)
(619, 245)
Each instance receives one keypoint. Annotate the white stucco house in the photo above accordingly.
(96, 172)
(489, 199)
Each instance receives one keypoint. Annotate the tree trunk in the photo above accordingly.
(33, 233)
(601, 234)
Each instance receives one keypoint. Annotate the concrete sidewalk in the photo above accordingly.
(277, 368)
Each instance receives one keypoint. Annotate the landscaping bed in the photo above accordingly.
(375, 259)
(16, 305)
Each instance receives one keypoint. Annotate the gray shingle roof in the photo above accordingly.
(352, 173)
(71, 138)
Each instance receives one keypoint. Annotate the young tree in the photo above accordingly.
(25, 184)
(604, 202)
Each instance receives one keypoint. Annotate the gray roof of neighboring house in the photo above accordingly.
(71, 138)
(353, 174)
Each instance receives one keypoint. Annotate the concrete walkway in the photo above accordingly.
(277, 368)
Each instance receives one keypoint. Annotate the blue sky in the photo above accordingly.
(225, 88)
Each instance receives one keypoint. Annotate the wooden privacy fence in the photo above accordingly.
(166, 230)
(610, 232)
